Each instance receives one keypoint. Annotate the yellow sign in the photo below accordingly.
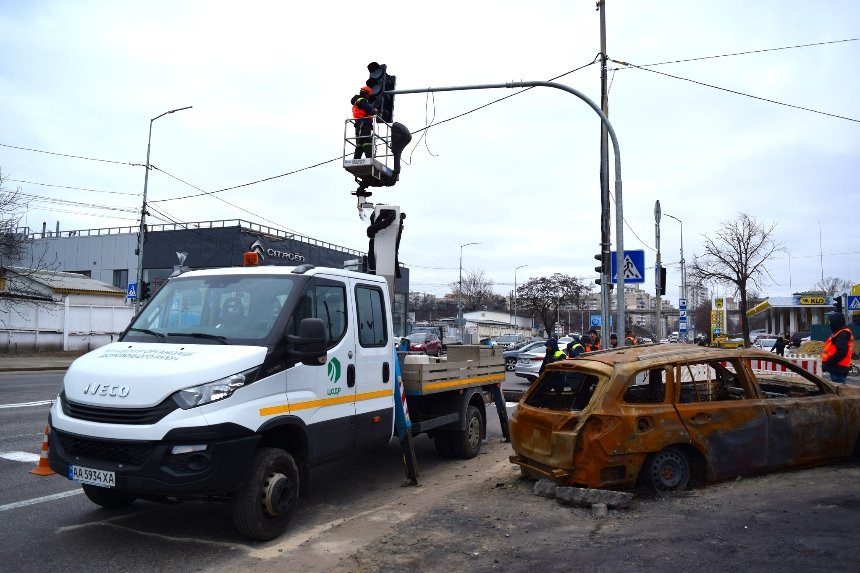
(718, 303)
(812, 300)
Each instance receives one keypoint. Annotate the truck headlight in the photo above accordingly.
(212, 391)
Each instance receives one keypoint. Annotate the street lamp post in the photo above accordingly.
(460, 303)
(516, 325)
(142, 230)
(683, 264)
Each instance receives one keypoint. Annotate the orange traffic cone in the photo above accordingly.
(43, 469)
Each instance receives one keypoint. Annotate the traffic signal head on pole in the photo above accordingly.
(380, 81)
(145, 292)
(599, 269)
(662, 280)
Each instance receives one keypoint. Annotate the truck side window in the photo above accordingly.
(325, 300)
(372, 327)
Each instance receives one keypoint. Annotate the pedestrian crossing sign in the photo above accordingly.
(853, 302)
(633, 267)
(132, 291)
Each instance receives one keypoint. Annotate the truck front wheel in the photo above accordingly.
(107, 497)
(467, 443)
(263, 507)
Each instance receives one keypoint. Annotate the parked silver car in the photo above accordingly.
(528, 363)
(512, 355)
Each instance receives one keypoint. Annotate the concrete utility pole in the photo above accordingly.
(605, 244)
(657, 276)
(619, 211)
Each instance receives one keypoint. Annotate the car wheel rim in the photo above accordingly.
(277, 494)
(668, 471)
(474, 432)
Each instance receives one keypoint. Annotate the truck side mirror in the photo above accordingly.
(309, 347)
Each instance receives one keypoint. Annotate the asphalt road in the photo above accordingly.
(48, 525)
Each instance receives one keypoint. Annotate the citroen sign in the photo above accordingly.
(264, 252)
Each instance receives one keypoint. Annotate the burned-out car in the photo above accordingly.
(666, 415)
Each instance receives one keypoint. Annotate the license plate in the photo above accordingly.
(91, 476)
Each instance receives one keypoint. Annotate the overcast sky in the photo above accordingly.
(270, 84)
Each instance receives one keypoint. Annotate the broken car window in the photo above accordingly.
(712, 381)
(646, 387)
(563, 390)
(780, 380)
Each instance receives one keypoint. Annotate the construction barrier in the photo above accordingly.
(42, 468)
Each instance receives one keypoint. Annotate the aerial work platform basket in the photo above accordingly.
(378, 169)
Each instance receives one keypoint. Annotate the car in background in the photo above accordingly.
(512, 354)
(528, 363)
(507, 340)
(425, 342)
(798, 338)
(616, 418)
(765, 343)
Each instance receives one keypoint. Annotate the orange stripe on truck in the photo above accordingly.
(323, 402)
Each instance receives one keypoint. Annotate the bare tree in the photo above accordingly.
(12, 207)
(737, 258)
(832, 286)
(543, 297)
(477, 291)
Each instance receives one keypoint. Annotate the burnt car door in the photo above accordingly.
(807, 421)
(723, 416)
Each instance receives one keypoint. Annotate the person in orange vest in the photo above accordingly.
(363, 111)
(629, 339)
(836, 356)
(594, 336)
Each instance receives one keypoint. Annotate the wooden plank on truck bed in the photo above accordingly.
(431, 375)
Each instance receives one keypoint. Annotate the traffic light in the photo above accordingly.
(144, 291)
(662, 280)
(378, 82)
(599, 268)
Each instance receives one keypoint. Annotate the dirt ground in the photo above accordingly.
(804, 520)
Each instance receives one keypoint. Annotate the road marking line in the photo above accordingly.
(26, 404)
(36, 500)
(20, 456)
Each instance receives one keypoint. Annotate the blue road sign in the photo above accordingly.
(853, 302)
(633, 267)
(596, 320)
(132, 291)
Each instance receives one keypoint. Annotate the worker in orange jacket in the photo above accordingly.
(836, 356)
(363, 111)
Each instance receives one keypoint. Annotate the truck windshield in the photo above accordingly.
(212, 310)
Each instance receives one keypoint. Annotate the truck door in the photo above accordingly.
(324, 398)
(374, 368)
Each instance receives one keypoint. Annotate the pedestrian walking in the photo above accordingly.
(779, 345)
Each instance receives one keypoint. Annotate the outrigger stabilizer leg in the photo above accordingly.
(403, 426)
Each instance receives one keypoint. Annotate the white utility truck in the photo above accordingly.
(231, 383)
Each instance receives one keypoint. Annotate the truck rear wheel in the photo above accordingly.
(107, 497)
(467, 443)
(262, 509)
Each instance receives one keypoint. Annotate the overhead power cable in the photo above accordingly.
(75, 188)
(743, 53)
(70, 156)
(738, 93)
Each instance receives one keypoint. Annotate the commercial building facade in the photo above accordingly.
(110, 254)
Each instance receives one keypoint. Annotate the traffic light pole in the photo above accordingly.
(619, 213)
